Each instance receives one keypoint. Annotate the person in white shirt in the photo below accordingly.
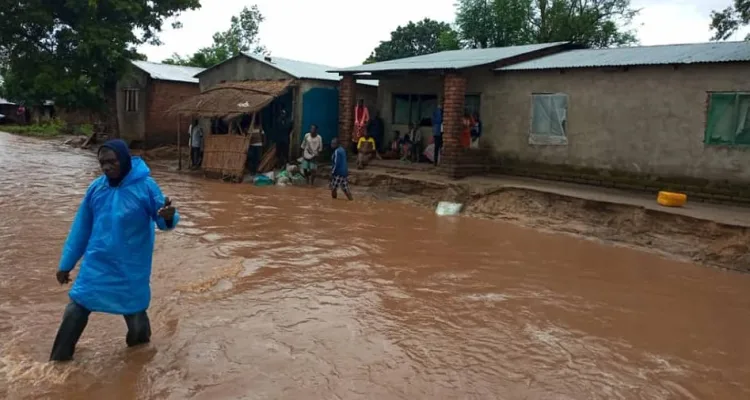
(196, 143)
(312, 145)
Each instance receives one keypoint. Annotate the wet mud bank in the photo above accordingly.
(702, 241)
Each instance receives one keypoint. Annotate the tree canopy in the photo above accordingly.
(414, 39)
(242, 36)
(74, 51)
(726, 22)
(497, 23)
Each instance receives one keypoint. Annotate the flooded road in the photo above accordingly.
(282, 293)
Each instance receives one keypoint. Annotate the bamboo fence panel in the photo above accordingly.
(226, 155)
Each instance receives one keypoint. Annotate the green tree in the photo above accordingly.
(498, 23)
(728, 21)
(242, 36)
(74, 51)
(415, 39)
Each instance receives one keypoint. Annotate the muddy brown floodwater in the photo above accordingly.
(282, 293)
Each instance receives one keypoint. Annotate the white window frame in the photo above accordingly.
(549, 138)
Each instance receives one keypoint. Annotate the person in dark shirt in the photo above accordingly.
(284, 128)
(437, 131)
(476, 130)
(377, 131)
(339, 171)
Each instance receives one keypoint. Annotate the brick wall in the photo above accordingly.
(161, 129)
(454, 93)
(76, 117)
(347, 93)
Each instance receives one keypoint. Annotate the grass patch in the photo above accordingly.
(49, 129)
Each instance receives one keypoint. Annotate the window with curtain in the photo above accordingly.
(416, 108)
(728, 118)
(549, 117)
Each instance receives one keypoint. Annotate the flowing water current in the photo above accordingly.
(283, 293)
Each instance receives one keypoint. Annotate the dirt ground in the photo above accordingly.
(700, 240)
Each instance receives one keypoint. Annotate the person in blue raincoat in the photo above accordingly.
(114, 233)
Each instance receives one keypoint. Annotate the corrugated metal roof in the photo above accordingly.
(303, 69)
(714, 52)
(166, 72)
(452, 59)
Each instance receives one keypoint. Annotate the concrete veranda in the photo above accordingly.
(719, 213)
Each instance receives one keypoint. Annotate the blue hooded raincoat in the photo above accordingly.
(114, 233)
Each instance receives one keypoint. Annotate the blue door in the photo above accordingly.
(320, 106)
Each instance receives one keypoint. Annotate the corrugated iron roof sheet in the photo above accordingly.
(303, 69)
(166, 72)
(714, 52)
(452, 59)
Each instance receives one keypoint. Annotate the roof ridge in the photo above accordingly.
(667, 45)
(247, 53)
(166, 64)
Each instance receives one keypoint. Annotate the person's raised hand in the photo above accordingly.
(63, 277)
(167, 211)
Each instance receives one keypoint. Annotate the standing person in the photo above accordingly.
(437, 131)
(406, 146)
(465, 138)
(377, 131)
(255, 150)
(339, 171)
(366, 151)
(284, 128)
(21, 115)
(416, 138)
(361, 119)
(476, 131)
(196, 143)
(114, 233)
(312, 145)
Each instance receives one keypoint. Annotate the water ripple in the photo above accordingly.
(285, 294)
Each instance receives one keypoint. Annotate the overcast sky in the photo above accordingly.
(342, 33)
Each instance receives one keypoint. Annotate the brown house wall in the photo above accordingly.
(645, 120)
(161, 129)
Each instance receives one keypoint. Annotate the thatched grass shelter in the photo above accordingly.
(227, 154)
(232, 99)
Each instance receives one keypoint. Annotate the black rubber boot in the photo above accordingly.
(74, 322)
(139, 329)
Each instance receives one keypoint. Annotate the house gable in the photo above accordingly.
(240, 68)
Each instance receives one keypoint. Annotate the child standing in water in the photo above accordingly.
(339, 171)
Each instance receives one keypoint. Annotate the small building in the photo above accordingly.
(411, 88)
(674, 111)
(9, 110)
(314, 94)
(678, 112)
(144, 95)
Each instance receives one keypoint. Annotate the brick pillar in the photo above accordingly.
(347, 93)
(454, 92)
